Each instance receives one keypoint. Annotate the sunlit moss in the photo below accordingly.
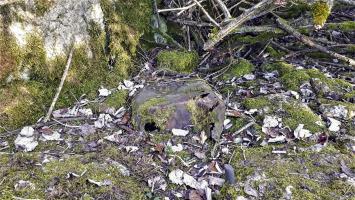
(240, 68)
(179, 61)
(320, 12)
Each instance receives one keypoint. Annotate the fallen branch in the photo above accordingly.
(224, 9)
(178, 9)
(206, 13)
(261, 7)
(308, 41)
(244, 128)
(59, 89)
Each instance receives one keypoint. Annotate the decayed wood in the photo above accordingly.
(59, 89)
(308, 41)
(261, 7)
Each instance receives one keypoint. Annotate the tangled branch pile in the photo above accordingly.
(235, 26)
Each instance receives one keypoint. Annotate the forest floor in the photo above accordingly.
(289, 131)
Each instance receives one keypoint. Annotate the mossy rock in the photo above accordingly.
(177, 60)
(179, 104)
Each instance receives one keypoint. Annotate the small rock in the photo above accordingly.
(128, 83)
(114, 137)
(103, 120)
(130, 149)
(241, 198)
(337, 111)
(271, 121)
(26, 143)
(249, 77)
(334, 125)
(180, 132)
(103, 92)
(249, 190)
(177, 148)
(27, 131)
(21, 184)
(299, 132)
(55, 136)
(280, 138)
(229, 170)
(179, 177)
(212, 180)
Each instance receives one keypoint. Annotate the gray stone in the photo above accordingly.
(179, 104)
(229, 170)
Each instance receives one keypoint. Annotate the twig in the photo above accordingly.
(206, 13)
(244, 128)
(224, 9)
(308, 41)
(181, 9)
(59, 89)
(261, 7)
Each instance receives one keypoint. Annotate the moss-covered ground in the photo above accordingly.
(311, 175)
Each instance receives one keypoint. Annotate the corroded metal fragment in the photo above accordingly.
(179, 104)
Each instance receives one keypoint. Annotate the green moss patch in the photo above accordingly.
(178, 61)
(343, 26)
(23, 104)
(293, 78)
(320, 12)
(240, 68)
(292, 112)
(153, 111)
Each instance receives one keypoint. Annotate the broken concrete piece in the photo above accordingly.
(177, 105)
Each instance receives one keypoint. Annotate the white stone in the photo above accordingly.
(270, 122)
(177, 148)
(180, 132)
(27, 131)
(299, 132)
(103, 92)
(334, 125)
(281, 138)
(26, 143)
